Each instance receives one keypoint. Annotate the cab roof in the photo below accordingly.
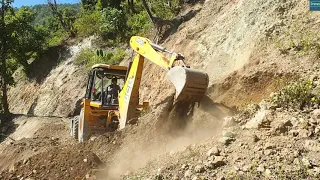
(106, 66)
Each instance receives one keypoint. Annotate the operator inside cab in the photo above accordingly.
(113, 92)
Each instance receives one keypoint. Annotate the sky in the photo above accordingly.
(19, 3)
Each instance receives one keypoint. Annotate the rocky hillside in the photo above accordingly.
(244, 46)
(272, 143)
(56, 84)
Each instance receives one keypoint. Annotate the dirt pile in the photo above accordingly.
(153, 137)
(33, 135)
(57, 163)
(50, 153)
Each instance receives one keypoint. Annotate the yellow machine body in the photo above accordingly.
(96, 117)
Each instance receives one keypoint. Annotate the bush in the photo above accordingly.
(117, 56)
(139, 24)
(113, 23)
(89, 23)
(57, 38)
(162, 10)
(301, 38)
(298, 94)
(89, 58)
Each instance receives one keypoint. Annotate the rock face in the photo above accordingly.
(213, 151)
(56, 91)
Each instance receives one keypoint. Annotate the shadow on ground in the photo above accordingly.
(7, 125)
(48, 60)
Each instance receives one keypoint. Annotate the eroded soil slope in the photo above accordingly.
(56, 92)
(244, 46)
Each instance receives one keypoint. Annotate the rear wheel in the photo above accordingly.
(75, 128)
(83, 134)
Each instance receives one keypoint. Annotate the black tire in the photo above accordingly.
(75, 128)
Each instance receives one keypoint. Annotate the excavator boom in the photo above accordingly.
(190, 84)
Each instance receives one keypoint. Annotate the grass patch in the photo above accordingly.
(300, 38)
(298, 94)
(88, 57)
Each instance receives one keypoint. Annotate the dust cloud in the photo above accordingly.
(141, 149)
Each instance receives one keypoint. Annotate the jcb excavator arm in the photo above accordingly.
(147, 49)
(190, 84)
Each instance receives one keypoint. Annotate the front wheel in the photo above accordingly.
(83, 134)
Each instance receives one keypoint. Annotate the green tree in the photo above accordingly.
(62, 19)
(89, 23)
(101, 4)
(69, 15)
(19, 41)
(113, 23)
(88, 4)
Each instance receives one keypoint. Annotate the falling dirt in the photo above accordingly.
(146, 142)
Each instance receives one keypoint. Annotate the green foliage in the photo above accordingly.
(89, 23)
(101, 4)
(25, 39)
(42, 12)
(111, 19)
(300, 38)
(299, 94)
(69, 15)
(88, 4)
(20, 40)
(139, 23)
(114, 19)
(44, 17)
(160, 9)
(113, 23)
(56, 33)
(57, 38)
(89, 58)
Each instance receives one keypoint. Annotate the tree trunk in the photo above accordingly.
(131, 5)
(55, 12)
(145, 5)
(3, 62)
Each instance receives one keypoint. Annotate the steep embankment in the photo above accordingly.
(56, 84)
(238, 43)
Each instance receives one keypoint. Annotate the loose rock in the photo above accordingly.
(226, 140)
(219, 161)
(260, 168)
(213, 151)
(199, 169)
(188, 174)
(228, 122)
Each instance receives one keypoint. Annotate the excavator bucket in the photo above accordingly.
(191, 85)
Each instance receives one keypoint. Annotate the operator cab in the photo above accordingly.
(104, 85)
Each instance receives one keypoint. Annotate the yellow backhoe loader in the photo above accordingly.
(103, 110)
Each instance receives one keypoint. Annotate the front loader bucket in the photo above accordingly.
(191, 85)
